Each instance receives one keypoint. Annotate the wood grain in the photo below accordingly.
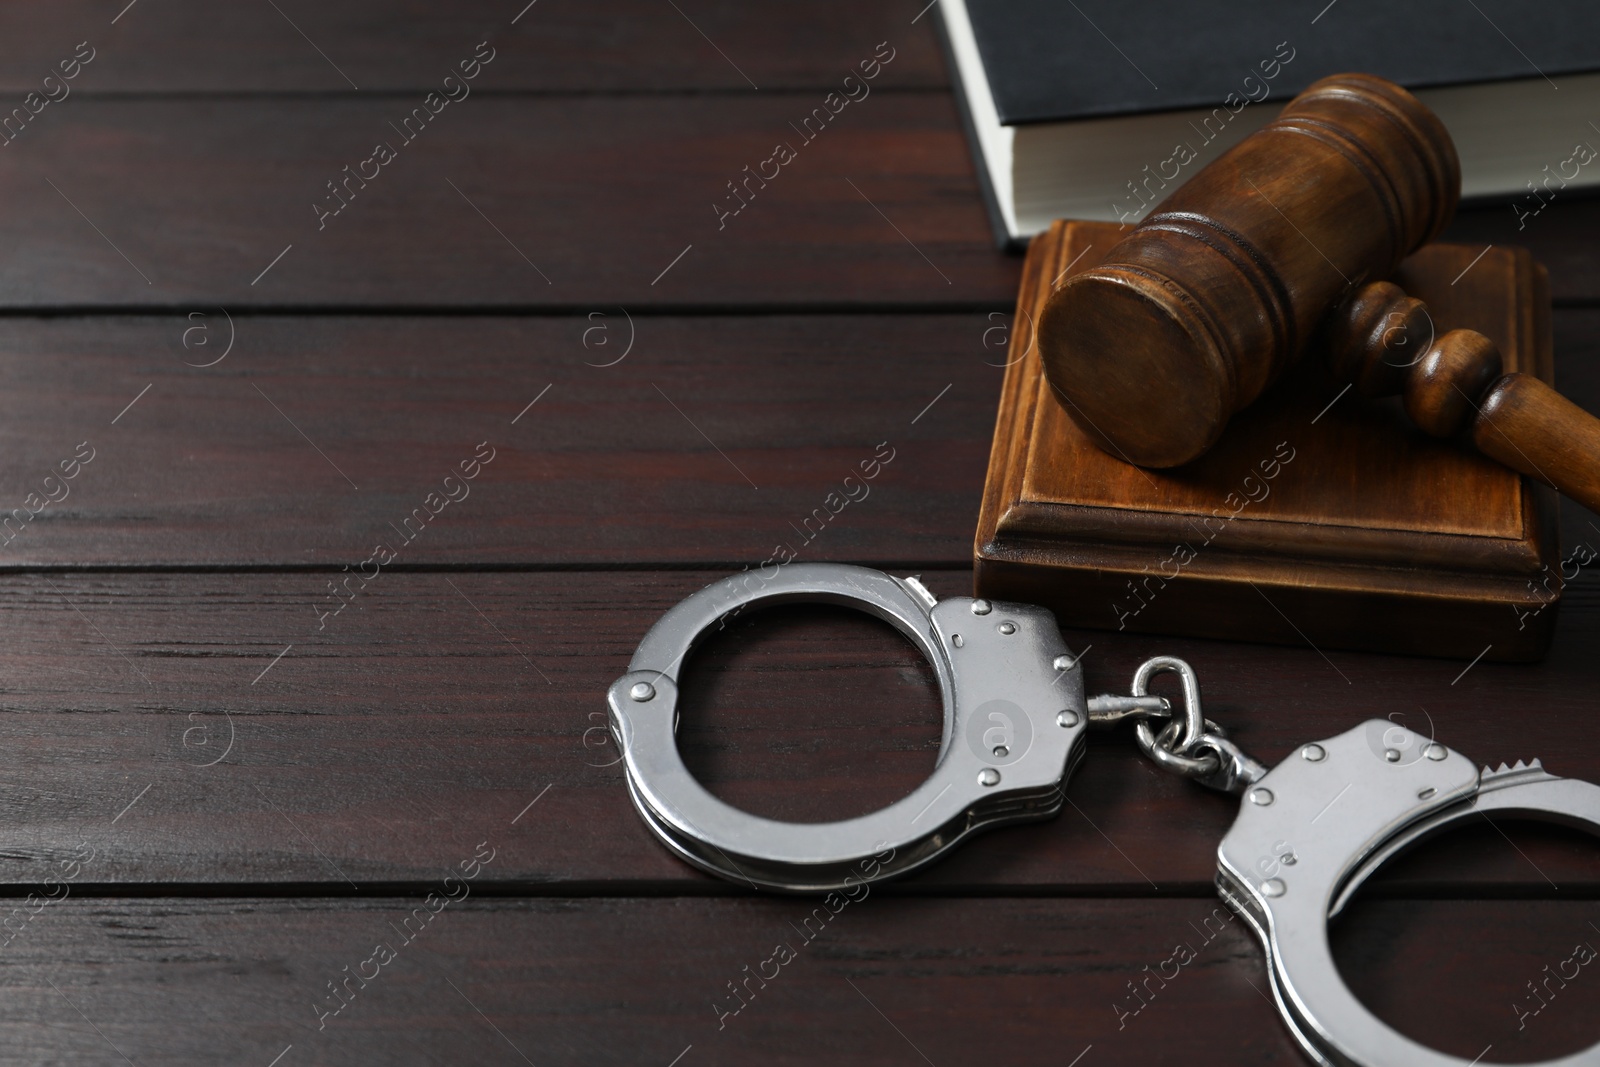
(1528, 426)
(880, 207)
(202, 471)
(1394, 475)
(615, 46)
(641, 463)
(1318, 516)
(1206, 302)
(143, 172)
(1554, 238)
(1516, 418)
(589, 981)
(169, 604)
(442, 701)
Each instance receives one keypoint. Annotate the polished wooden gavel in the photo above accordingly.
(1202, 305)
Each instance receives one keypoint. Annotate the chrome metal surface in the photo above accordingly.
(1108, 709)
(1006, 750)
(1523, 790)
(1289, 866)
(1167, 754)
(1193, 718)
(1309, 833)
(1173, 749)
(1235, 771)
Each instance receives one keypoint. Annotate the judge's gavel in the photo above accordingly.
(1202, 305)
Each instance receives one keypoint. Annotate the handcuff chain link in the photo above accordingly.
(1191, 747)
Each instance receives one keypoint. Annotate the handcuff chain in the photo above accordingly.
(1193, 746)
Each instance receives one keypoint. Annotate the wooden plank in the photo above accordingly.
(881, 207)
(598, 981)
(650, 461)
(1558, 237)
(614, 465)
(1386, 948)
(581, 202)
(614, 46)
(200, 728)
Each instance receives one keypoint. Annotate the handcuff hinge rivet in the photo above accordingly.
(1261, 796)
(1314, 753)
(1007, 628)
(1064, 663)
(988, 776)
(1274, 887)
(1436, 751)
(1392, 755)
(981, 607)
(642, 691)
(1067, 718)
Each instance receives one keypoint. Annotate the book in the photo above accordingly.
(1092, 109)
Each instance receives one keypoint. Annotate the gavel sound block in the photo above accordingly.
(1172, 453)
(1319, 515)
(1203, 304)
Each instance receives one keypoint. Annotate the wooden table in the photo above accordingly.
(242, 747)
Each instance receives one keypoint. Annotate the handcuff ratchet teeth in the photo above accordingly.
(1309, 833)
(1315, 827)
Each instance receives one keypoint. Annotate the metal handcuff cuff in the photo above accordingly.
(1015, 717)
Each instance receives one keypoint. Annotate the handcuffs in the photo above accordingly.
(1310, 831)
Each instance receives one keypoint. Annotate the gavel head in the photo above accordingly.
(1203, 304)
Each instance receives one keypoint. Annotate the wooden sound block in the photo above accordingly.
(1320, 517)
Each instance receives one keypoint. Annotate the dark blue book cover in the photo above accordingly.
(1053, 60)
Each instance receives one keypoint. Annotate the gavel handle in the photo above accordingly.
(1531, 428)
(1457, 385)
